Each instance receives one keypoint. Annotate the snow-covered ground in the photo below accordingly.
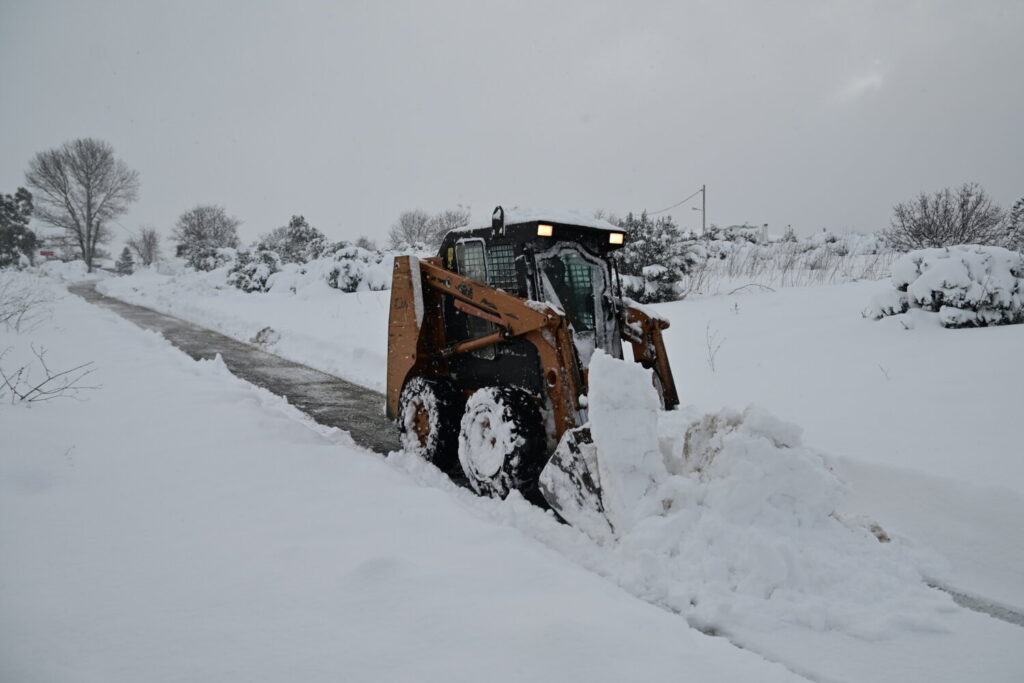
(927, 448)
(936, 408)
(180, 524)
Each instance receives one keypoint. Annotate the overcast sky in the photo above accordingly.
(815, 114)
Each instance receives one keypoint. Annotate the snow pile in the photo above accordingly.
(730, 520)
(69, 271)
(623, 409)
(967, 285)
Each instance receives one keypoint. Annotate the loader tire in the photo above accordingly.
(429, 411)
(501, 442)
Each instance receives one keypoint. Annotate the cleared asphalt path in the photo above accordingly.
(327, 399)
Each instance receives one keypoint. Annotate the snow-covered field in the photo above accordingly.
(180, 524)
(200, 527)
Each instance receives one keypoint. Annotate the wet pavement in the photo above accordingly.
(327, 399)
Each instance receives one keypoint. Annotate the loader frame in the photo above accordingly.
(417, 343)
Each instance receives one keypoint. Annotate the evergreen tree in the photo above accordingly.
(125, 264)
(1015, 237)
(655, 251)
(16, 239)
(297, 242)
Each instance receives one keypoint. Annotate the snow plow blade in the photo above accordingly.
(571, 484)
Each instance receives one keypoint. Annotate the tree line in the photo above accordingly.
(81, 188)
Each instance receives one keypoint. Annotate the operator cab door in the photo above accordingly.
(471, 261)
(579, 282)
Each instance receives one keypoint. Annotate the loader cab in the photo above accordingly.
(565, 264)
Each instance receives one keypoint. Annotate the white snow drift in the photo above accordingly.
(730, 520)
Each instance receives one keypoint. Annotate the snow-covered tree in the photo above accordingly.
(202, 231)
(125, 265)
(654, 255)
(297, 242)
(1015, 226)
(16, 240)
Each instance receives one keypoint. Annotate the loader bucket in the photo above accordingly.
(571, 485)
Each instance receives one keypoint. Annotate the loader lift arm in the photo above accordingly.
(643, 331)
(418, 345)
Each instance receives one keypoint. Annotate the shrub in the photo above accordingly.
(252, 270)
(946, 218)
(352, 268)
(967, 285)
(297, 242)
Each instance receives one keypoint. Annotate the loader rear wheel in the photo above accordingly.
(429, 411)
(501, 442)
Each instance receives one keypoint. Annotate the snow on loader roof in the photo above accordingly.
(515, 216)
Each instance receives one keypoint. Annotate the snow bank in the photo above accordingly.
(182, 525)
(730, 520)
(69, 271)
(310, 322)
(967, 285)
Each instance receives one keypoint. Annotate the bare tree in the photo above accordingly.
(418, 229)
(412, 229)
(80, 187)
(146, 246)
(445, 221)
(35, 382)
(22, 301)
(947, 217)
(202, 230)
(364, 242)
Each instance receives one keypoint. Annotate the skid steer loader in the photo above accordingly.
(488, 348)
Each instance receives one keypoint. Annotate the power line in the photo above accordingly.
(679, 203)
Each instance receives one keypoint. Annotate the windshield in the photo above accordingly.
(572, 280)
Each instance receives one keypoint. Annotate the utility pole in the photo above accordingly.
(703, 210)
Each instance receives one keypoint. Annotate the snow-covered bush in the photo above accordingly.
(348, 269)
(356, 268)
(967, 285)
(297, 242)
(208, 258)
(251, 271)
